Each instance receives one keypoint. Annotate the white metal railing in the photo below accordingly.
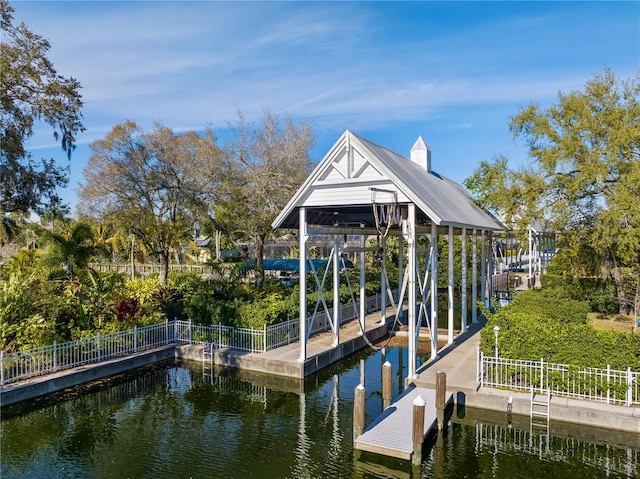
(606, 385)
(240, 339)
(58, 356)
(26, 364)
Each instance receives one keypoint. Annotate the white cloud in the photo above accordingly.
(194, 63)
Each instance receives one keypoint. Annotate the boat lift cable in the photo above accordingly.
(357, 314)
(385, 214)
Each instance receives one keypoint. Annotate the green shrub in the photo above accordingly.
(548, 324)
(142, 289)
(200, 308)
(598, 293)
(552, 304)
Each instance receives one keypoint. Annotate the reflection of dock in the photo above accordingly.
(391, 433)
(374, 469)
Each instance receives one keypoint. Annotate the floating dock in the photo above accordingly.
(391, 433)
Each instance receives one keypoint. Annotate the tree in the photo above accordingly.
(70, 249)
(32, 91)
(266, 165)
(584, 176)
(137, 180)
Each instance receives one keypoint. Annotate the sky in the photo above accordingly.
(451, 72)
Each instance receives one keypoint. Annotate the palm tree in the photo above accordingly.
(70, 249)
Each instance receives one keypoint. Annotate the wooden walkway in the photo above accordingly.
(391, 433)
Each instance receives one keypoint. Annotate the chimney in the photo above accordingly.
(421, 154)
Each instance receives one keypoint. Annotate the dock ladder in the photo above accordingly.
(540, 404)
(539, 426)
(208, 355)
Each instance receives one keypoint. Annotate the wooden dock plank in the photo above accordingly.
(390, 434)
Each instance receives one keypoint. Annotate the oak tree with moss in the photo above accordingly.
(31, 93)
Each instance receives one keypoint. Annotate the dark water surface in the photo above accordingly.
(171, 421)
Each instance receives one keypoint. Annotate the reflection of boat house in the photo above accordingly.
(360, 188)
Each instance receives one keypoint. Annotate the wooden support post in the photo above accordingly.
(418, 429)
(441, 392)
(386, 384)
(412, 291)
(474, 277)
(383, 282)
(463, 287)
(483, 269)
(363, 293)
(358, 411)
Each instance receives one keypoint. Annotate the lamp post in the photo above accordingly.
(496, 330)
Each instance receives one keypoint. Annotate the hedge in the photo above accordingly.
(549, 324)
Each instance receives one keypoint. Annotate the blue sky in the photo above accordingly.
(453, 72)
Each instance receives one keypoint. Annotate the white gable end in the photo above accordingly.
(357, 172)
(349, 165)
(337, 170)
(356, 193)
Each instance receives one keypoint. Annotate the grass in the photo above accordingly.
(624, 323)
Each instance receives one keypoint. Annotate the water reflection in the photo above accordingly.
(613, 461)
(177, 421)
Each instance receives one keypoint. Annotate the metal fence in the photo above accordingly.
(58, 356)
(269, 337)
(34, 362)
(606, 385)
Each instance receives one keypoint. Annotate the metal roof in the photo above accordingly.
(437, 198)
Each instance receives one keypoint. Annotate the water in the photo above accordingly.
(170, 421)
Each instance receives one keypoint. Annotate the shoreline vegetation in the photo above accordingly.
(560, 322)
(557, 323)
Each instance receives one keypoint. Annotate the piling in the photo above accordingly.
(441, 394)
(439, 458)
(358, 411)
(386, 384)
(418, 429)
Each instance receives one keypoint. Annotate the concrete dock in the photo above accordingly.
(459, 362)
(283, 361)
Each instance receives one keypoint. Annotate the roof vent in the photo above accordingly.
(421, 154)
